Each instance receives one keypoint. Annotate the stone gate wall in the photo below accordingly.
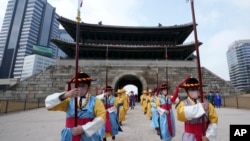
(54, 78)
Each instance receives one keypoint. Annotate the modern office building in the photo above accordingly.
(238, 58)
(34, 64)
(26, 23)
(38, 62)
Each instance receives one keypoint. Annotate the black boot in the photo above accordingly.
(157, 130)
(113, 138)
(104, 139)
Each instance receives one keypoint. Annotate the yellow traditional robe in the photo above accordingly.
(126, 102)
(149, 100)
(188, 112)
(122, 109)
(144, 102)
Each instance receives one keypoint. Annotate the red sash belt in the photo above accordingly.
(70, 123)
(108, 123)
(195, 129)
(166, 106)
(170, 126)
(108, 106)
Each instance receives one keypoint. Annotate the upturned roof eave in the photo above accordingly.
(175, 33)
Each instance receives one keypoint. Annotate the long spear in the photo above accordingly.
(157, 91)
(106, 75)
(166, 57)
(78, 20)
(107, 66)
(157, 76)
(198, 59)
(96, 91)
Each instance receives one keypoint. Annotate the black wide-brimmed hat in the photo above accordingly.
(191, 83)
(164, 86)
(82, 78)
(156, 89)
(108, 88)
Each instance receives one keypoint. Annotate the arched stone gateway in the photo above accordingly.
(129, 78)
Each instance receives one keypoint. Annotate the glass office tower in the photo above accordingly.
(238, 58)
(26, 23)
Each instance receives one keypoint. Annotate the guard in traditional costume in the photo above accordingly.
(126, 101)
(112, 126)
(120, 103)
(164, 107)
(217, 100)
(166, 117)
(143, 101)
(191, 111)
(149, 100)
(132, 100)
(90, 111)
(155, 114)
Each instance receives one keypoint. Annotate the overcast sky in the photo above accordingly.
(220, 22)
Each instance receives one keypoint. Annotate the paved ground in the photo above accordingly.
(40, 124)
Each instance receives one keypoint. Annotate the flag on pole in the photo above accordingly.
(166, 53)
(80, 3)
(107, 50)
(157, 66)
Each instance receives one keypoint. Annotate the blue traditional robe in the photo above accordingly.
(91, 117)
(155, 115)
(167, 121)
(114, 125)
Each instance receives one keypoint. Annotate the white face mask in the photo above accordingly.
(193, 94)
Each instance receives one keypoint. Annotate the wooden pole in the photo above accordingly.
(157, 76)
(106, 98)
(166, 57)
(78, 19)
(198, 58)
(107, 66)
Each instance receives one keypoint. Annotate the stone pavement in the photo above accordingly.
(42, 125)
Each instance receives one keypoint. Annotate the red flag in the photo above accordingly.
(80, 3)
